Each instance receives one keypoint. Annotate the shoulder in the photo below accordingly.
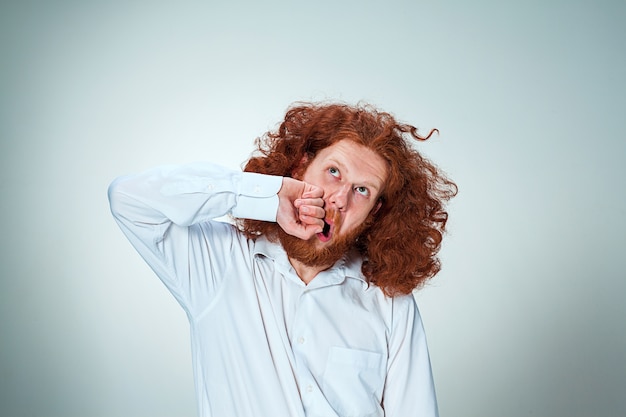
(400, 311)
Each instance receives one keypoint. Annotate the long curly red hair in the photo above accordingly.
(400, 247)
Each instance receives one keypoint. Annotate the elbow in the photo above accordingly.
(115, 196)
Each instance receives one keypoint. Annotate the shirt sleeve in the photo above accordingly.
(409, 387)
(166, 214)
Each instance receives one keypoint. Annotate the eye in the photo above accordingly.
(333, 171)
(363, 191)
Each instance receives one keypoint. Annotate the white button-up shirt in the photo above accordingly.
(264, 343)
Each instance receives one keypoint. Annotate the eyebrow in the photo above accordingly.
(367, 183)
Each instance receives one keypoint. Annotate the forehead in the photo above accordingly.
(357, 162)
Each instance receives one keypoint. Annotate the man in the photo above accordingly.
(304, 307)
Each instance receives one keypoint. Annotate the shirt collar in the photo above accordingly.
(348, 266)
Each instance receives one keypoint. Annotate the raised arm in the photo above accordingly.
(165, 212)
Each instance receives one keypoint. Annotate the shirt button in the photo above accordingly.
(257, 190)
(210, 187)
(301, 340)
(309, 388)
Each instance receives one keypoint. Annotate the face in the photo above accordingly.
(352, 177)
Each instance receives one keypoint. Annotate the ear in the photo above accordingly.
(298, 171)
(377, 207)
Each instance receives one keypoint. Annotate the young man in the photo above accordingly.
(304, 307)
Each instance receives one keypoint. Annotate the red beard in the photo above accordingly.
(305, 251)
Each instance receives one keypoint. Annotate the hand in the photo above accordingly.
(300, 208)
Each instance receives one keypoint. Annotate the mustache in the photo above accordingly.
(334, 217)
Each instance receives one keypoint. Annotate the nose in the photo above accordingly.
(340, 197)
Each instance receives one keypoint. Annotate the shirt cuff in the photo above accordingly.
(257, 197)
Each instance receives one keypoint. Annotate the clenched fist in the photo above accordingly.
(300, 208)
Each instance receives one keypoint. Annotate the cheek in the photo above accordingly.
(355, 219)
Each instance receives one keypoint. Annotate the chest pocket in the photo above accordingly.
(353, 382)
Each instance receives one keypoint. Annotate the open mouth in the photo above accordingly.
(326, 229)
(331, 223)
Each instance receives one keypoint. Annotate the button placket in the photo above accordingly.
(299, 326)
(301, 333)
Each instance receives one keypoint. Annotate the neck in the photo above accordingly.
(306, 272)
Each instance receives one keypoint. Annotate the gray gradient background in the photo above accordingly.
(525, 319)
